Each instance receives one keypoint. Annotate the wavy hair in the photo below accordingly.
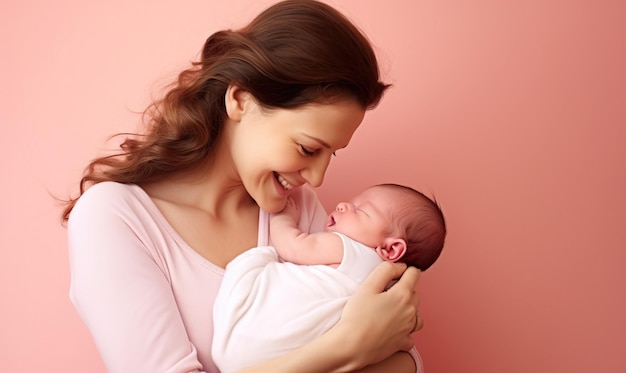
(294, 53)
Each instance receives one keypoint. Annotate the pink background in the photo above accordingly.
(513, 113)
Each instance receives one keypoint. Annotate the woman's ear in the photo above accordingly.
(237, 101)
(392, 249)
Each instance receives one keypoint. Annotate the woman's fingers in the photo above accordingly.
(381, 276)
(407, 283)
(404, 289)
(409, 278)
(420, 323)
(390, 316)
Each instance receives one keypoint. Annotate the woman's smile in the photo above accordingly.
(285, 184)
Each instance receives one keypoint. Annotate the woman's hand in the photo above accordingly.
(378, 323)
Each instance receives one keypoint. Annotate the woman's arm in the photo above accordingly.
(119, 290)
(400, 362)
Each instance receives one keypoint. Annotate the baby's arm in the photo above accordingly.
(299, 247)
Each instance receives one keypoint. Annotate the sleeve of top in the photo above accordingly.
(419, 368)
(312, 213)
(121, 293)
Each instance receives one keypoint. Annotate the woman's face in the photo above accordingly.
(275, 151)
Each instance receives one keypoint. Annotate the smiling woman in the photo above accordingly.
(511, 112)
(254, 122)
(302, 143)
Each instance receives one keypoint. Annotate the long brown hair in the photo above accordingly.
(294, 53)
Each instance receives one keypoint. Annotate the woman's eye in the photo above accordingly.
(306, 151)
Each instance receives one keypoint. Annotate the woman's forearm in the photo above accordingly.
(400, 362)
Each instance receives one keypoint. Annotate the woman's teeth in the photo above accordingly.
(283, 182)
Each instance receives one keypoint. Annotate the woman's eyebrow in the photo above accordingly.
(322, 142)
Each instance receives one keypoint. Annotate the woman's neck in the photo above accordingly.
(211, 212)
(216, 192)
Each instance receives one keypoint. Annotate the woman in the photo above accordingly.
(249, 125)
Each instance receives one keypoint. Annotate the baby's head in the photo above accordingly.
(398, 221)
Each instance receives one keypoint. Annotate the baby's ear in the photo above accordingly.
(392, 249)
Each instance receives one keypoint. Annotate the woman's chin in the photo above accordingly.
(273, 206)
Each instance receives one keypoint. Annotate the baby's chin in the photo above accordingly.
(332, 228)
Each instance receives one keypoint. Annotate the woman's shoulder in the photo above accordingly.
(112, 191)
(109, 189)
(110, 197)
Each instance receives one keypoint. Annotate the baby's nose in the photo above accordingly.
(342, 207)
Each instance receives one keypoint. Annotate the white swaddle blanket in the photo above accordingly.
(266, 308)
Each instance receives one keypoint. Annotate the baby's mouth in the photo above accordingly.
(330, 222)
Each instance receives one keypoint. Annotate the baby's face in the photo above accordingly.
(365, 218)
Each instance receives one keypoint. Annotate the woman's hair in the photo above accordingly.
(421, 224)
(294, 53)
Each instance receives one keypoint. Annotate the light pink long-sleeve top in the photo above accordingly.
(144, 294)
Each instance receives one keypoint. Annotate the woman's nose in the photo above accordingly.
(314, 173)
